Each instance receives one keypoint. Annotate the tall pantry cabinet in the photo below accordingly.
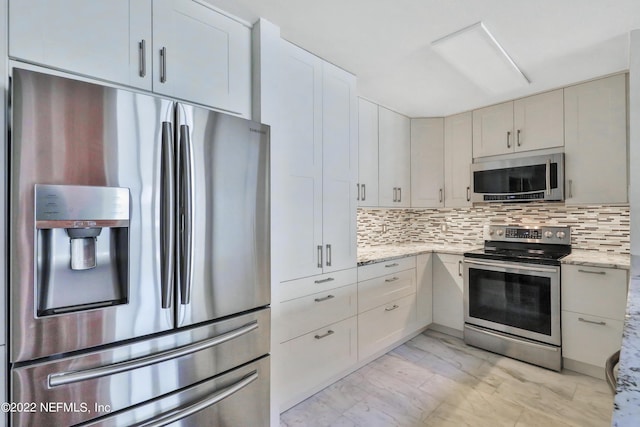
(314, 201)
(318, 158)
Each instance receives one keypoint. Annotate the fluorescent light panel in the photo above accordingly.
(476, 53)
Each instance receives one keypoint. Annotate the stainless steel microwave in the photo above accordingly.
(518, 180)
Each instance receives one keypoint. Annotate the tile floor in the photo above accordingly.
(436, 380)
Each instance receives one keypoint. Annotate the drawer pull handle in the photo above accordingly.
(393, 279)
(325, 298)
(328, 279)
(392, 308)
(591, 321)
(319, 337)
(395, 264)
(592, 272)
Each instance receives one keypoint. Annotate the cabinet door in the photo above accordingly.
(539, 121)
(339, 168)
(297, 166)
(424, 276)
(427, 163)
(493, 130)
(394, 184)
(596, 142)
(99, 39)
(368, 153)
(206, 56)
(457, 160)
(448, 291)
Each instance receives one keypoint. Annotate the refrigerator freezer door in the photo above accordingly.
(82, 388)
(66, 132)
(225, 264)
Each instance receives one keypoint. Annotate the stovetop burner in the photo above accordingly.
(531, 244)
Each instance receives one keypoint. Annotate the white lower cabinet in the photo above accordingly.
(385, 324)
(593, 305)
(311, 312)
(448, 291)
(387, 305)
(424, 288)
(312, 360)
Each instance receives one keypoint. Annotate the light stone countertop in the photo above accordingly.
(373, 254)
(597, 259)
(626, 408)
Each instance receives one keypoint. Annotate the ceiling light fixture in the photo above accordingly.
(477, 54)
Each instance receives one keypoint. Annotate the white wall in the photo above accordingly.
(634, 139)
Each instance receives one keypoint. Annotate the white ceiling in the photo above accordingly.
(386, 43)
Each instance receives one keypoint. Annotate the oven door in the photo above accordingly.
(520, 299)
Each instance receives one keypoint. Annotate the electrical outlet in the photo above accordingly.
(443, 227)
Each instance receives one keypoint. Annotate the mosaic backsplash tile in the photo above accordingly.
(597, 228)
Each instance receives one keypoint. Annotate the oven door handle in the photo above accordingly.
(512, 266)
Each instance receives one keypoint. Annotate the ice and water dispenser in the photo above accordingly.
(82, 247)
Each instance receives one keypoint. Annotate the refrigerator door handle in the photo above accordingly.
(186, 270)
(65, 378)
(178, 414)
(167, 215)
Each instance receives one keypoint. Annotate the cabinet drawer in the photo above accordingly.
(382, 290)
(385, 324)
(305, 314)
(311, 359)
(387, 267)
(587, 342)
(311, 285)
(597, 291)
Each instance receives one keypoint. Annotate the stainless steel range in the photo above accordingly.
(512, 293)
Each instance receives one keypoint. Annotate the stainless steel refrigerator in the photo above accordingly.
(139, 259)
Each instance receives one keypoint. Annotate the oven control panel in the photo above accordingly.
(532, 234)
(523, 233)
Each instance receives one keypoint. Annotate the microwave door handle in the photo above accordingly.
(548, 177)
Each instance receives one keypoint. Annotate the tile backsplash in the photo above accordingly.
(598, 228)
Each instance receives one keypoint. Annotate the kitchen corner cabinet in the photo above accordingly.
(596, 143)
(205, 59)
(201, 56)
(394, 139)
(315, 163)
(424, 288)
(99, 39)
(448, 291)
(593, 309)
(457, 160)
(427, 163)
(531, 123)
(367, 154)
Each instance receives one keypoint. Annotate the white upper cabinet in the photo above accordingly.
(201, 56)
(315, 151)
(394, 148)
(596, 142)
(109, 40)
(339, 168)
(457, 160)
(493, 130)
(427, 163)
(539, 121)
(178, 48)
(531, 123)
(368, 153)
